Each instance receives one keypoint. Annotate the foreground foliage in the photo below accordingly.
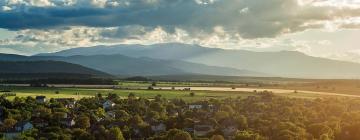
(260, 117)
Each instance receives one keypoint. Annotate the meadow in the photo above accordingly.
(77, 93)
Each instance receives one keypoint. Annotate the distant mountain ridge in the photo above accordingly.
(124, 65)
(283, 63)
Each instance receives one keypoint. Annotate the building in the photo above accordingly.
(67, 102)
(68, 122)
(40, 99)
(108, 104)
(157, 126)
(202, 130)
(23, 126)
(195, 106)
(111, 114)
(229, 128)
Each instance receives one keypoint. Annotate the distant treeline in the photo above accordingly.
(137, 78)
(27, 76)
(83, 81)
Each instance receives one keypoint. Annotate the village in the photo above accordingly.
(152, 116)
(112, 117)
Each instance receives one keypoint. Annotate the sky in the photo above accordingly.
(322, 28)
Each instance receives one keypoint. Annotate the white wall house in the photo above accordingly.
(195, 106)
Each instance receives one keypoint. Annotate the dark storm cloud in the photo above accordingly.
(249, 18)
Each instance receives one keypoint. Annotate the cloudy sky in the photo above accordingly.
(325, 28)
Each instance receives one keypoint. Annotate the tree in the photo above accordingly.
(112, 96)
(319, 129)
(80, 134)
(9, 123)
(247, 135)
(220, 115)
(350, 132)
(228, 109)
(176, 134)
(158, 98)
(115, 134)
(324, 137)
(242, 122)
(137, 120)
(83, 122)
(182, 136)
(192, 94)
(153, 84)
(217, 137)
(131, 96)
(99, 96)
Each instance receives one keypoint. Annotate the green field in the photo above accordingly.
(83, 92)
(164, 84)
(52, 92)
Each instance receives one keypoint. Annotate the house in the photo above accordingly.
(211, 108)
(108, 104)
(229, 128)
(17, 130)
(195, 106)
(67, 122)
(39, 123)
(40, 99)
(111, 114)
(190, 130)
(201, 130)
(10, 135)
(67, 102)
(23, 126)
(157, 126)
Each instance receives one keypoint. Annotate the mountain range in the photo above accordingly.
(282, 63)
(121, 65)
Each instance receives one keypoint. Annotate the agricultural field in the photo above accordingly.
(199, 93)
(166, 84)
(340, 86)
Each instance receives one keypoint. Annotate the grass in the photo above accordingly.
(50, 92)
(162, 84)
(84, 92)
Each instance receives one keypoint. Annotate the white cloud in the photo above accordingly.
(6, 8)
(244, 10)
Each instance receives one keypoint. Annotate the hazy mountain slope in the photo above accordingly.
(124, 65)
(175, 51)
(284, 63)
(46, 67)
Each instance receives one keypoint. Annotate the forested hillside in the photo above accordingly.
(45, 69)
